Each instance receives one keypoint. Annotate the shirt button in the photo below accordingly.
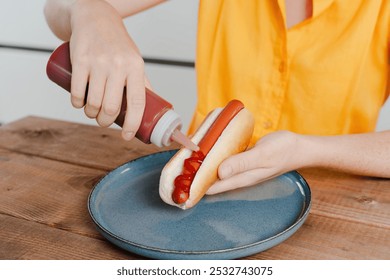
(267, 124)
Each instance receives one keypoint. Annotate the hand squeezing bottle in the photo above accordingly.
(160, 125)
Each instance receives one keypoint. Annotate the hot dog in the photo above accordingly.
(188, 175)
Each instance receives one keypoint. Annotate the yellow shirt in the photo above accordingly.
(324, 76)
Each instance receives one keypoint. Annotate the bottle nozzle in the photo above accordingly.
(182, 139)
(167, 130)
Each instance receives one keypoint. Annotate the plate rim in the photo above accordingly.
(302, 217)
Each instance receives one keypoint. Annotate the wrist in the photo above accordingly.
(321, 151)
(84, 11)
(309, 150)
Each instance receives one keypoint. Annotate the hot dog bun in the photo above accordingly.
(234, 139)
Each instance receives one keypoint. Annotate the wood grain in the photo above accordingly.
(350, 197)
(47, 192)
(47, 169)
(323, 238)
(23, 239)
(85, 145)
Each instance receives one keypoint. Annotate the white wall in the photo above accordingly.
(384, 117)
(167, 31)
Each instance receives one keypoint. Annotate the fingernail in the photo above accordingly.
(77, 102)
(225, 171)
(128, 135)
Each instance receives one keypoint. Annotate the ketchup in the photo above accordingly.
(183, 182)
(192, 164)
(159, 122)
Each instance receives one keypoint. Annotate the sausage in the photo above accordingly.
(188, 175)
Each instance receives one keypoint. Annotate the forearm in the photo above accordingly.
(58, 13)
(364, 154)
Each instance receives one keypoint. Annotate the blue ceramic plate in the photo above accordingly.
(127, 210)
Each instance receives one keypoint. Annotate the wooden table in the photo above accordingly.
(47, 169)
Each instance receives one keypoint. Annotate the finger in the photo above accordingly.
(135, 94)
(239, 163)
(97, 83)
(245, 179)
(79, 81)
(112, 100)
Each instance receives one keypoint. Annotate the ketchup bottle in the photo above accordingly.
(160, 124)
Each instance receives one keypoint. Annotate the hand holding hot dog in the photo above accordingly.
(273, 155)
(283, 151)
